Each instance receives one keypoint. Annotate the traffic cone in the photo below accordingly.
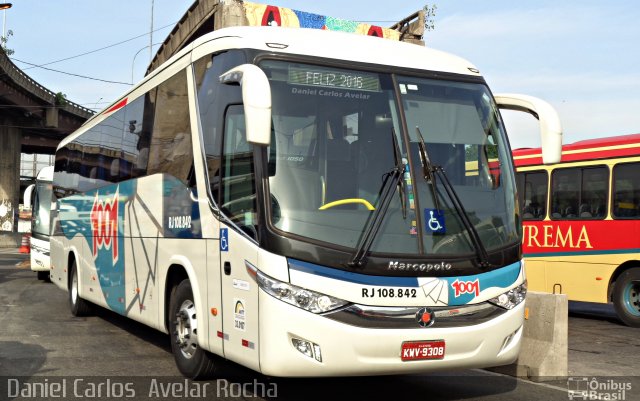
(25, 246)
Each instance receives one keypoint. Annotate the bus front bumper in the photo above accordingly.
(349, 350)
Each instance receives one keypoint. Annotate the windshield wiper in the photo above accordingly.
(430, 171)
(392, 180)
(397, 154)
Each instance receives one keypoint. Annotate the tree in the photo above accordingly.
(3, 43)
(429, 17)
(61, 99)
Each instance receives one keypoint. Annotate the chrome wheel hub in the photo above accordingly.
(186, 329)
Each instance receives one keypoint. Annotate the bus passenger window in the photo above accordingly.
(626, 190)
(238, 192)
(170, 150)
(533, 194)
(579, 193)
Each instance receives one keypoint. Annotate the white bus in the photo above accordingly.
(40, 201)
(296, 201)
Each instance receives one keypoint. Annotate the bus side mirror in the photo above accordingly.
(256, 96)
(550, 126)
(28, 192)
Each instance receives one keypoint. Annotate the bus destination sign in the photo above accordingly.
(339, 79)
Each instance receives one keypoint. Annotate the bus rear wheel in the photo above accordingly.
(626, 297)
(192, 361)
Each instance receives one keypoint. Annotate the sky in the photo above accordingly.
(580, 56)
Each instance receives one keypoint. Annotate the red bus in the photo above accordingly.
(581, 222)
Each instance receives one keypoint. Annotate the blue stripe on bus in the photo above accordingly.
(580, 253)
(357, 278)
(503, 277)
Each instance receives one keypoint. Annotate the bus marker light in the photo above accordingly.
(317, 353)
(303, 347)
(526, 313)
(214, 312)
(598, 278)
(137, 290)
(307, 348)
(506, 341)
(220, 334)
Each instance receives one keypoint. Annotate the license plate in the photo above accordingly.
(419, 350)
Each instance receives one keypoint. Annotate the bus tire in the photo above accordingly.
(78, 306)
(192, 361)
(43, 275)
(626, 297)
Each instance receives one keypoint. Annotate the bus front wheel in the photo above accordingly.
(192, 361)
(626, 297)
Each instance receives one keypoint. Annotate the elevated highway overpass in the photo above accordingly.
(33, 119)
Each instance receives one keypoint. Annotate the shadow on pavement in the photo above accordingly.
(143, 332)
(594, 311)
(25, 361)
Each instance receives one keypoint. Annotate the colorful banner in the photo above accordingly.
(265, 15)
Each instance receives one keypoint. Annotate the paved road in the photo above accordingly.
(111, 356)
(599, 344)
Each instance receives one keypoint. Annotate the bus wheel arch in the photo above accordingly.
(72, 260)
(175, 275)
(181, 321)
(624, 290)
(629, 264)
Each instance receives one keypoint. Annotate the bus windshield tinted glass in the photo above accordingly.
(41, 207)
(464, 136)
(332, 148)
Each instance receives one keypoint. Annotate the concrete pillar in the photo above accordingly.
(51, 120)
(545, 349)
(10, 147)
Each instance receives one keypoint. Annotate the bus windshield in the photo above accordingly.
(41, 207)
(333, 147)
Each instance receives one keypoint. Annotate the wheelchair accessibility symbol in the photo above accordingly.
(434, 221)
(224, 240)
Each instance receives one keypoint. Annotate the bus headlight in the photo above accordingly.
(511, 298)
(302, 298)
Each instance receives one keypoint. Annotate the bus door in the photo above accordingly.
(237, 243)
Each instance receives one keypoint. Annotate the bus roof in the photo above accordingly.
(342, 46)
(589, 149)
(317, 43)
